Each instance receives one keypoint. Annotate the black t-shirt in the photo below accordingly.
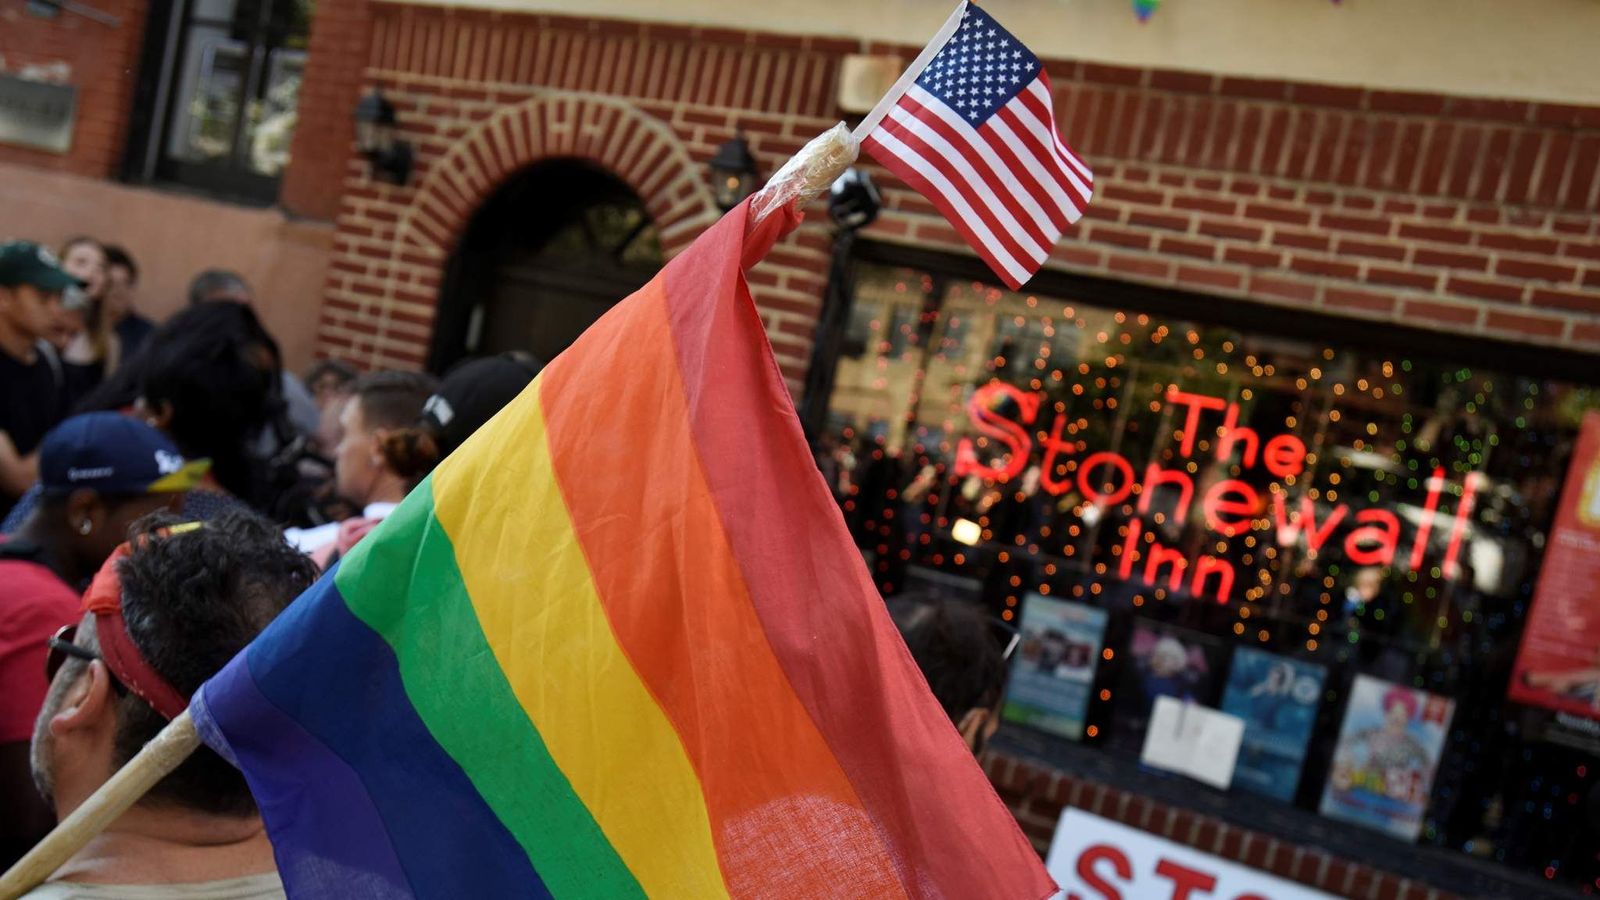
(33, 398)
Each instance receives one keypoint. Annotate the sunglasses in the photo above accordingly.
(61, 646)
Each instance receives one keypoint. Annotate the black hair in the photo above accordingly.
(191, 602)
(218, 370)
(956, 649)
(345, 373)
(212, 280)
(392, 401)
(117, 256)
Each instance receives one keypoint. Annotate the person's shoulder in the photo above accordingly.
(251, 887)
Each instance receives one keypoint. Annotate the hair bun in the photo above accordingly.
(410, 452)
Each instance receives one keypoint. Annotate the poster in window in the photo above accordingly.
(1558, 664)
(1388, 751)
(1053, 674)
(1162, 661)
(1277, 698)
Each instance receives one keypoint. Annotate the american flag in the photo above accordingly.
(973, 130)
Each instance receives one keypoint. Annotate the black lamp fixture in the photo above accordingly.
(733, 173)
(389, 157)
(853, 201)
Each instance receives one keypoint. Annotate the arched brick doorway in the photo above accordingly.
(548, 253)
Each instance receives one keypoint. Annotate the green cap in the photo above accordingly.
(24, 262)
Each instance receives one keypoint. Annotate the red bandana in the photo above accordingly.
(121, 655)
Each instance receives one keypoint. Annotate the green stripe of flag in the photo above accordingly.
(408, 589)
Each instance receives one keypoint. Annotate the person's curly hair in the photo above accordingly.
(954, 646)
(192, 600)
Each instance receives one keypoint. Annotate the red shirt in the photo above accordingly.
(34, 604)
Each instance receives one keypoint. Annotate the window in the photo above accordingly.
(223, 82)
(1339, 544)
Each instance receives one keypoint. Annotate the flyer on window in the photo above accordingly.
(1558, 664)
(1388, 750)
(1053, 674)
(1277, 698)
(1162, 661)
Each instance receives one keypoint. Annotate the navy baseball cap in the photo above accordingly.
(24, 262)
(114, 454)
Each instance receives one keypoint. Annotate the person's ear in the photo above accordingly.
(89, 703)
(972, 725)
(86, 512)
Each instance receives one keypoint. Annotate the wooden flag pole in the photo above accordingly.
(153, 763)
(805, 176)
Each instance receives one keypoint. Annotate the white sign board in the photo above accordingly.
(1193, 740)
(1098, 859)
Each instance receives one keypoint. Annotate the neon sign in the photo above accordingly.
(1228, 507)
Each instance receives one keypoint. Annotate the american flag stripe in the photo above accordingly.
(971, 126)
(1015, 128)
(1017, 192)
(922, 177)
(976, 199)
(1039, 102)
(959, 169)
(1033, 111)
(1040, 177)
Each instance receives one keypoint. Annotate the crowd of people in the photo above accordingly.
(166, 490)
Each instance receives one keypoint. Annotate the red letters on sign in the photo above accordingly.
(1229, 515)
(980, 409)
(1191, 424)
(1375, 526)
(1086, 870)
(1184, 879)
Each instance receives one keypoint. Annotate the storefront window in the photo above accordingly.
(1336, 546)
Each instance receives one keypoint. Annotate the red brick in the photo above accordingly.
(1187, 82)
(1435, 233)
(1406, 102)
(1363, 224)
(1344, 298)
(1142, 267)
(1206, 204)
(1547, 298)
(1562, 115)
(1362, 884)
(1255, 853)
(1245, 256)
(1232, 846)
(1352, 247)
(1254, 88)
(1181, 247)
(1472, 261)
(1283, 288)
(1208, 277)
(1158, 220)
(1119, 75)
(1500, 241)
(1136, 240)
(1302, 240)
(1327, 267)
(1581, 250)
(1518, 323)
(1363, 203)
(1231, 230)
(1485, 290)
(1281, 214)
(1326, 95)
(1132, 195)
(1539, 271)
(1426, 281)
(1586, 332)
(1483, 108)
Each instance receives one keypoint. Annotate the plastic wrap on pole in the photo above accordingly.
(807, 174)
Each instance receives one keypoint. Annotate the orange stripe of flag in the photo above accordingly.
(783, 813)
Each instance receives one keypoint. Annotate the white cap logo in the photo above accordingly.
(439, 407)
(167, 463)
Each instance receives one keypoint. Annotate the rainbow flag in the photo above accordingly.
(619, 645)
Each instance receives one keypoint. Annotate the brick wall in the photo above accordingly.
(1461, 215)
(100, 60)
(1037, 795)
(325, 128)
